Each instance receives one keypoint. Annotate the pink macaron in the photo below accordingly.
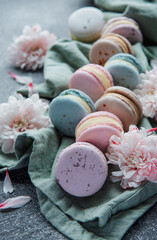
(97, 128)
(81, 169)
(91, 79)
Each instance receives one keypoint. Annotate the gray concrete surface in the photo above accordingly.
(27, 222)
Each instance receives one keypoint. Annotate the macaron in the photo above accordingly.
(68, 108)
(107, 46)
(86, 24)
(124, 26)
(97, 128)
(123, 103)
(92, 79)
(125, 70)
(81, 169)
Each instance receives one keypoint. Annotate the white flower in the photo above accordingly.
(20, 115)
(135, 153)
(147, 91)
(28, 50)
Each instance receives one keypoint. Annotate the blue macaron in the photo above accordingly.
(125, 70)
(67, 110)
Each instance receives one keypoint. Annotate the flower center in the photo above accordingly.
(21, 125)
(152, 92)
(135, 160)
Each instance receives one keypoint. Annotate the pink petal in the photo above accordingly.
(31, 89)
(15, 202)
(21, 79)
(7, 184)
(129, 174)
(151, 130)
(115, 179)
(7, 146)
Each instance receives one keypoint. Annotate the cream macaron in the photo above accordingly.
(108, 46)
(123, 103)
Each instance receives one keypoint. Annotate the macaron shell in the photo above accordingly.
(121, 107)
(123, 73)
(128, 58)
(92, 79)
(86, 24)
(129, 94)
(122, 41)
(65, 114)
(81, 95)
(124, 26)
(132, 34)
(98, 135)
(97, 128)
(88, 84)
(102, 50)
(81, 169)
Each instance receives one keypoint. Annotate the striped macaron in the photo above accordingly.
(97, 128)
(107, 46)
(91, 79)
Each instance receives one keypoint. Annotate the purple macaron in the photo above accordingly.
(81, 169)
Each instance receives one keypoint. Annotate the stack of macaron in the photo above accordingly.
(99, 102)
(81, 168)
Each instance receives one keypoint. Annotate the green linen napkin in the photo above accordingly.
(106, 215)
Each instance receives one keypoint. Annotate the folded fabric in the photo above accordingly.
(80, 218)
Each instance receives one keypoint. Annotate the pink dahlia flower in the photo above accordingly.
(28, 50)
(147, 91)
(135, 153)
(20, 115)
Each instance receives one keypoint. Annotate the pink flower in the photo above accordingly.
(28, 50)
(18, 116)
(135, 153)
(147, 91)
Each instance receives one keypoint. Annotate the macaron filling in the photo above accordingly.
(97, 120)
(85, 38)
(129, 103)
(99, 75)
(120, 42)
(110, 62)
(118, 22)
(80, 100)
(80, 95)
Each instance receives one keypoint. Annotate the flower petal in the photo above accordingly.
(21, 79)
(15, 202)
(7, 146)
(7, 184)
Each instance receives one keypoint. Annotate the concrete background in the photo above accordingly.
(27, 222)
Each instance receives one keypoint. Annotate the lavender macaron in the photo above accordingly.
(81, 169)
(127, 27)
